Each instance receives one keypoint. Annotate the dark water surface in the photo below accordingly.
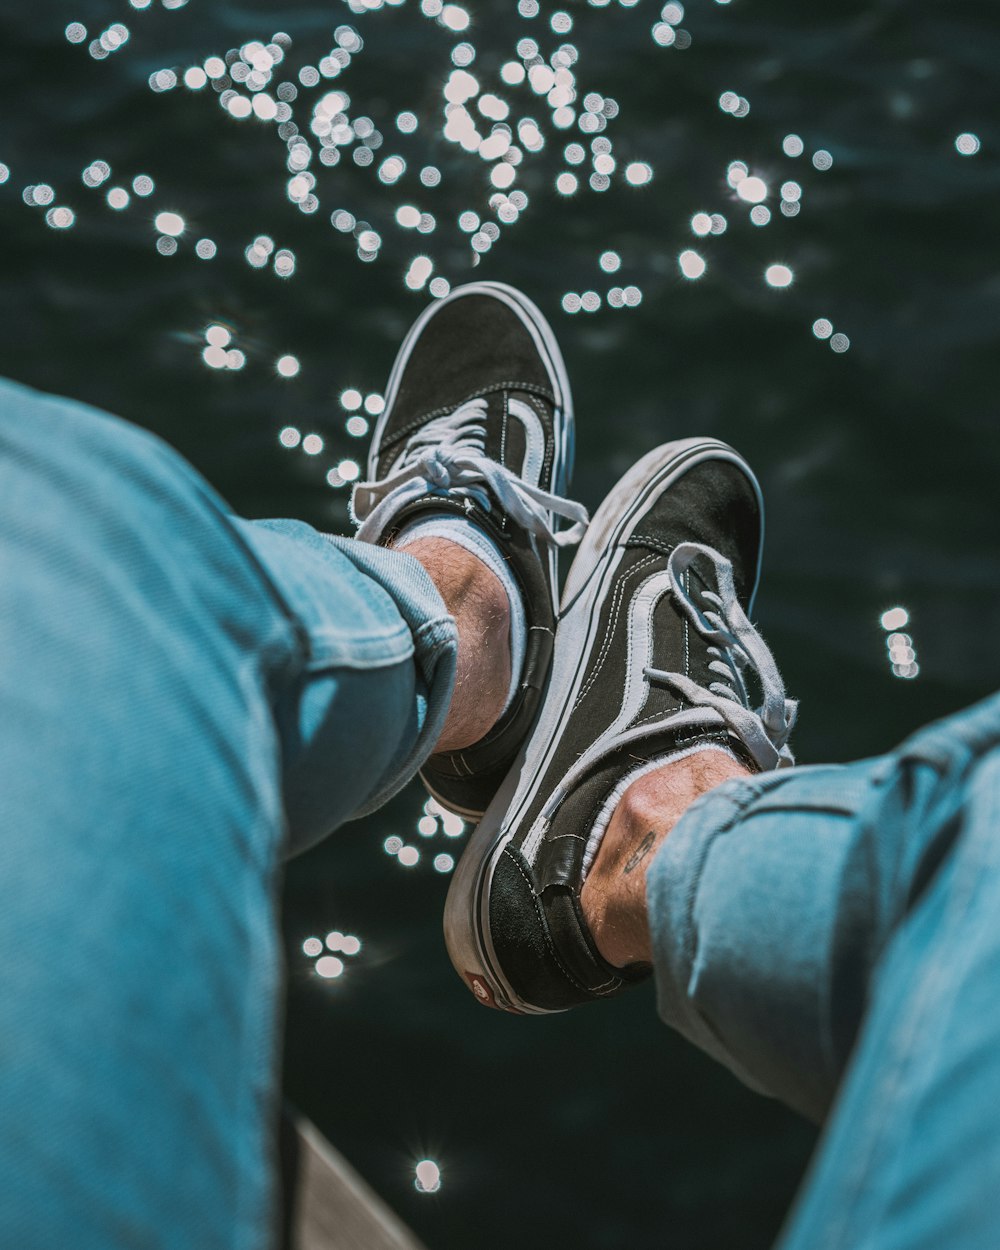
(879, 463)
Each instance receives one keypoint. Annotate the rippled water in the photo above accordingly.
(756, 220)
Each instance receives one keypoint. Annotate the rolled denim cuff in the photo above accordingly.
(756, 908)
(435, 650)
(377, 675)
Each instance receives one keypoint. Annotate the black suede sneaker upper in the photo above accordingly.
(652, 653)
(478, 424)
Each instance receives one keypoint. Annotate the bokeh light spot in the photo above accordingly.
(778, 276)
(329, 966)
(752, 189)
(60, 218)
(691, 264)
(427, 1178)
(169, 223)
(894, 618)
(638, 174)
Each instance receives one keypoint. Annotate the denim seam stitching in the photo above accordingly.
(893, 1077)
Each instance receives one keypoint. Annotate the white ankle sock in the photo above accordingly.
(479, 544)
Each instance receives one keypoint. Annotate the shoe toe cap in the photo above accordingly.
(471, 344)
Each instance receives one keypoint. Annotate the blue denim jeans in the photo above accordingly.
(184, 698)
(832, 935)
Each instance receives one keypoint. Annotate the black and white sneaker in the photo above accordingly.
(478, 424)
(652, 656)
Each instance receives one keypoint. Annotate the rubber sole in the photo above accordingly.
(467, 909)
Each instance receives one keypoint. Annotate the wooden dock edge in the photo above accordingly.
(327, 1205)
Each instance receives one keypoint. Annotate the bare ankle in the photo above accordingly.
(613, 897)
(476, 599)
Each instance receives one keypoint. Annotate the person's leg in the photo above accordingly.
(793, 917)
(140, 825)
(830, 934)
(438, 615)
(472, 452)
(186, 697)
(169, 686)
(476, 435)
(655, 661)
(911, 1154)
(476, 599)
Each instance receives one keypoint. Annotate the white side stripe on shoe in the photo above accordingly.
(534, 440)
(639, 655)
(735, 646)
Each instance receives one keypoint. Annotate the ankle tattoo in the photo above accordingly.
(640, 853)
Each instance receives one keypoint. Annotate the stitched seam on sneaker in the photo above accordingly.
(616, 603)
(613, 981)
(652, 716)
(548, 461)
(653, 544)
(687, 636)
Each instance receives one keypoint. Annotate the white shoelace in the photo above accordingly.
(734, 645)
(447, 455)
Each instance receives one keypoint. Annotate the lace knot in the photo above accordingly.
(448, 454)
(436, 469)
(735, 646)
